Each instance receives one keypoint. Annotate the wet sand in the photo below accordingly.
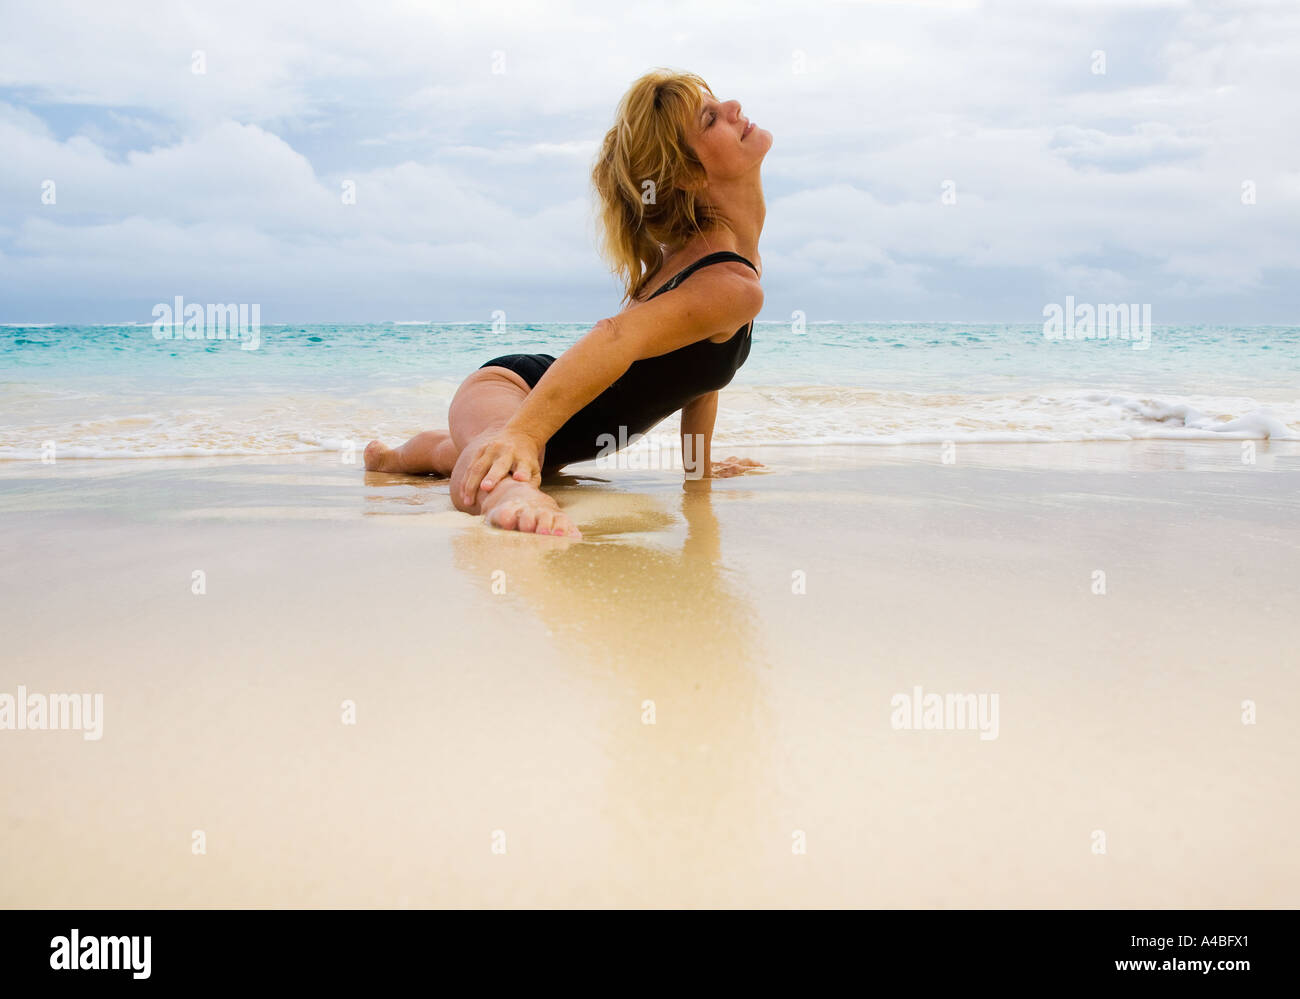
(656, 715)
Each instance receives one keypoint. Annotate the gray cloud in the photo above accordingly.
(472, 187)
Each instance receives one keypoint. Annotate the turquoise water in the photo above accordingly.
(118, 391)
(906, 356)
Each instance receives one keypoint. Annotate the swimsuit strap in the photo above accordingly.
(712, 258)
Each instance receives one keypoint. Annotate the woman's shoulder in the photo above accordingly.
(682, 267)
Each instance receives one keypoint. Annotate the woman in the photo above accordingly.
(680, 193)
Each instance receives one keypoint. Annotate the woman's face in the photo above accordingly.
(726, 142)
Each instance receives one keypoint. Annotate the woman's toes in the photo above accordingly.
(529, 512)
(504, 516)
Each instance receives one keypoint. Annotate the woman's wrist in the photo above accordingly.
(520, 428)
(695, 454)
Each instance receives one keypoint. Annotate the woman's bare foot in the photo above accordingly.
(378, 458)
(429, 453)
(521, 506)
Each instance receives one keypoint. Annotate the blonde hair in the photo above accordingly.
(648, 179)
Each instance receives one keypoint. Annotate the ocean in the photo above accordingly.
(118, 391)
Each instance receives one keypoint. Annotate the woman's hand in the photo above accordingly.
(507, 453)
(734, 466)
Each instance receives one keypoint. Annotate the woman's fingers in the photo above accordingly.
(734, 466)
(505, 454)
(500, 469)
(527, 470)
(495, 462)
(473, 475)
(479, 472)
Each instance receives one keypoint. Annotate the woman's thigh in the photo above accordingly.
(486, 400)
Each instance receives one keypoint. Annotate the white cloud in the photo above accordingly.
(472, 187)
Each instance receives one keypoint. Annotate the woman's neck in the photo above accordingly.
(738, 237)
(741, 203)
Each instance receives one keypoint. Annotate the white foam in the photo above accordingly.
(797, 415)
(791, 416)
(1182, 420)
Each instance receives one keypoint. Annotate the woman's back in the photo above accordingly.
(653, 388)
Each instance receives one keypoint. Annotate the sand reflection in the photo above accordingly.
(661, 628)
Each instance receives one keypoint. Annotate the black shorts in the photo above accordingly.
(529, 367)
(580, 437)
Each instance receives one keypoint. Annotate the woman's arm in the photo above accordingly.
(721, 299)
(698, 417)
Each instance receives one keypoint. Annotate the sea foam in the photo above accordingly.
(782, 415)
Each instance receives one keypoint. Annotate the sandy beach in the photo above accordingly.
(696, 705)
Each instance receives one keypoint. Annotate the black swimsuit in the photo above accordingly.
(651, 389)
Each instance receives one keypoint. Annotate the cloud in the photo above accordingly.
(471, 186)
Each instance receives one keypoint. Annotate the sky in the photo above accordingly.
(931, 161)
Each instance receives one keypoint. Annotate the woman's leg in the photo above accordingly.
(430, 453)
(483, 404)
